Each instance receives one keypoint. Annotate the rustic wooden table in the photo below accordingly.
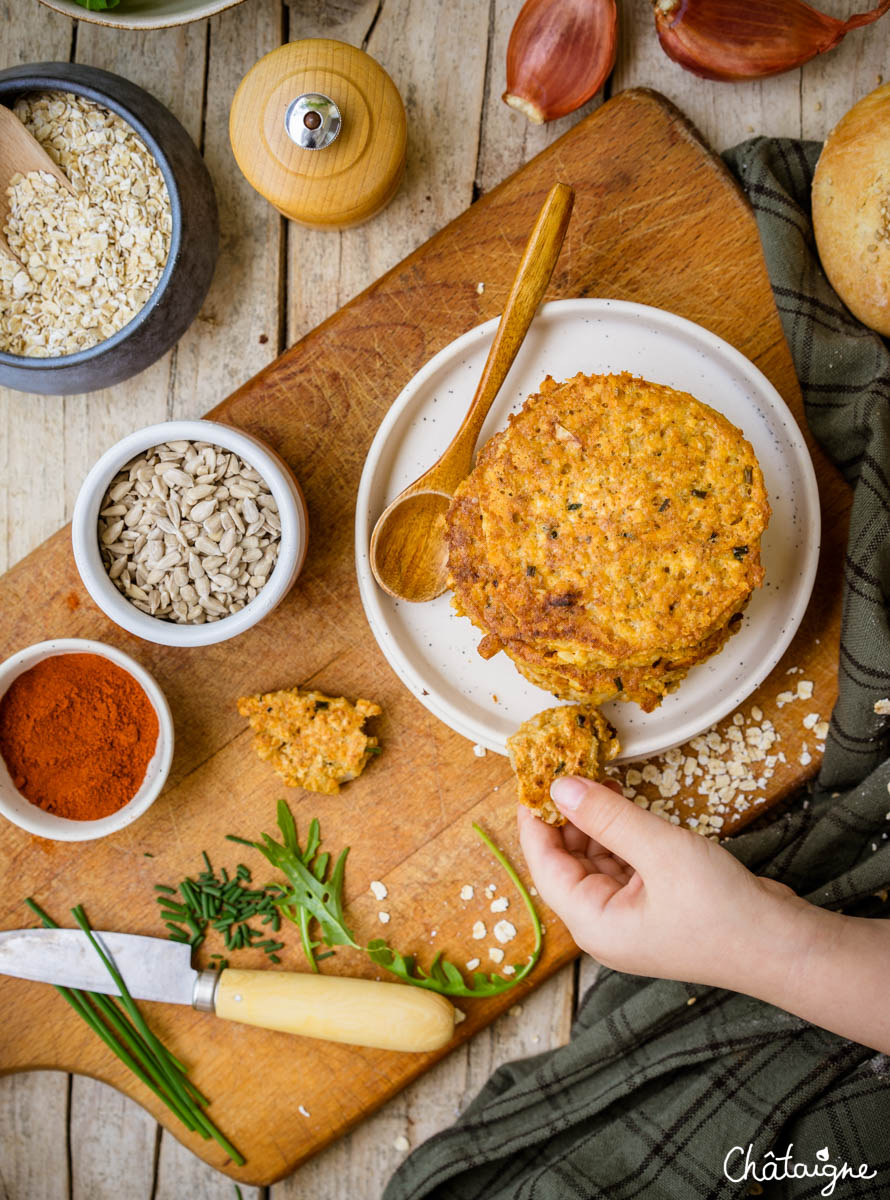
(69, 1137)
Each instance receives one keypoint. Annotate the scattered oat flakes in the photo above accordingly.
(882, 708)
(820, 730)
(719, 769)
(804, 689)
(504, 931)
(378, 889)
(784, 698)
(303, 1110)
(810, 720)
(401, 1144)
(479, 751)
(467, 892)
(384, 918)
(509, 970)
(480, 288)
(495, 954)
(500, 905)
(479, 931)
(473, 964)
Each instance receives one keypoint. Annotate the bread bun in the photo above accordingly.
(851, 209)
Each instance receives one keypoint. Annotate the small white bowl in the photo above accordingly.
(34, 819)
(291, 550)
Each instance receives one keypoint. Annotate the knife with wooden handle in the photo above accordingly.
(360, 1012)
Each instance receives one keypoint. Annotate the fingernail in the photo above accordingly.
(568, 793)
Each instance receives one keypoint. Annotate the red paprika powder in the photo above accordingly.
(77, 733)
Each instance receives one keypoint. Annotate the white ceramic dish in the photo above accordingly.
(291, 553)
(30, 817)
(144, 14)
(433, 651)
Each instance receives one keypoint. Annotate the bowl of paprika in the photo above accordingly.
(86, 740)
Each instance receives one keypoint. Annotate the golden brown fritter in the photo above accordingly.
(573, 739)
(590, 684)
(311, 740)
(614, 527)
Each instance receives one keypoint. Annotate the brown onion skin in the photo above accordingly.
(749, 39)
(560, 54)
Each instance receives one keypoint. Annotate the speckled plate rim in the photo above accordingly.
(138, 21)
(377, 604)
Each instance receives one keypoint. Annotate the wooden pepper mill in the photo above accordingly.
(319, 129)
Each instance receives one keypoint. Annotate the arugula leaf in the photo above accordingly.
(311, 895)
(316, 894)
(98, 5)
(443, 977)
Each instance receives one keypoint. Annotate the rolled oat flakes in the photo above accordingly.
(90, 261)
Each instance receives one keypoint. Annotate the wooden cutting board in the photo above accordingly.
(658, 220)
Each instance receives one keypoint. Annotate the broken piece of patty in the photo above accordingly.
(572, 739)
(311, 740)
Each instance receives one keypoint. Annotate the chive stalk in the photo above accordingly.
(121, 1026)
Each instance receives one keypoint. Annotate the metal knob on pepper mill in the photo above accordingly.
(319, 129)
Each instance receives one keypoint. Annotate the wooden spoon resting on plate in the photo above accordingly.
(409, 554)
(20, 153)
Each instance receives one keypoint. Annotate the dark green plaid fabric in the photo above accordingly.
(651, 1093)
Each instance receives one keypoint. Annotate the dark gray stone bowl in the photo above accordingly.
(194, 242)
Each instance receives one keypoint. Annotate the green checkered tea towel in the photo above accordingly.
(651, 1093)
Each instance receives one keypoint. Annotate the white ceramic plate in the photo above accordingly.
(144, 14)
(433, 651)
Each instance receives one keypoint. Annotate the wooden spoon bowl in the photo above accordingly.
(20, 153)
(409, 553)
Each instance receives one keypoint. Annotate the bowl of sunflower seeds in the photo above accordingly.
(188, 533)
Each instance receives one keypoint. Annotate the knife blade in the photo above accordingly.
(360, 1012)
(152, 969)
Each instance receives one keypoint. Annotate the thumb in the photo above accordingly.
(637, 836)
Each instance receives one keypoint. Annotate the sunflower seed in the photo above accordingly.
(188, 532)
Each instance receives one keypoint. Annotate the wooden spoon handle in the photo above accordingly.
(526, 294)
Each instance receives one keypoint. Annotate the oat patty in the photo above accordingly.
(311, 740)
(613, 529)
(570, 740)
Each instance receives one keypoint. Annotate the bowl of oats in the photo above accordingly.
(110, 275)
(188, 533)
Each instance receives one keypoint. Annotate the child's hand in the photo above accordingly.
(643, 896)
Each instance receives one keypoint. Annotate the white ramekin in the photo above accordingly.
(291, 551)
(30, 817)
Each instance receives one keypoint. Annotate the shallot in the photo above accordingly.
(748, 39)
(560, 54)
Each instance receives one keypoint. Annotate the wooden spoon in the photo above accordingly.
(409, 555)
(20, 153)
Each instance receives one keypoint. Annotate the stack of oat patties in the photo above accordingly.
(609, 538)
